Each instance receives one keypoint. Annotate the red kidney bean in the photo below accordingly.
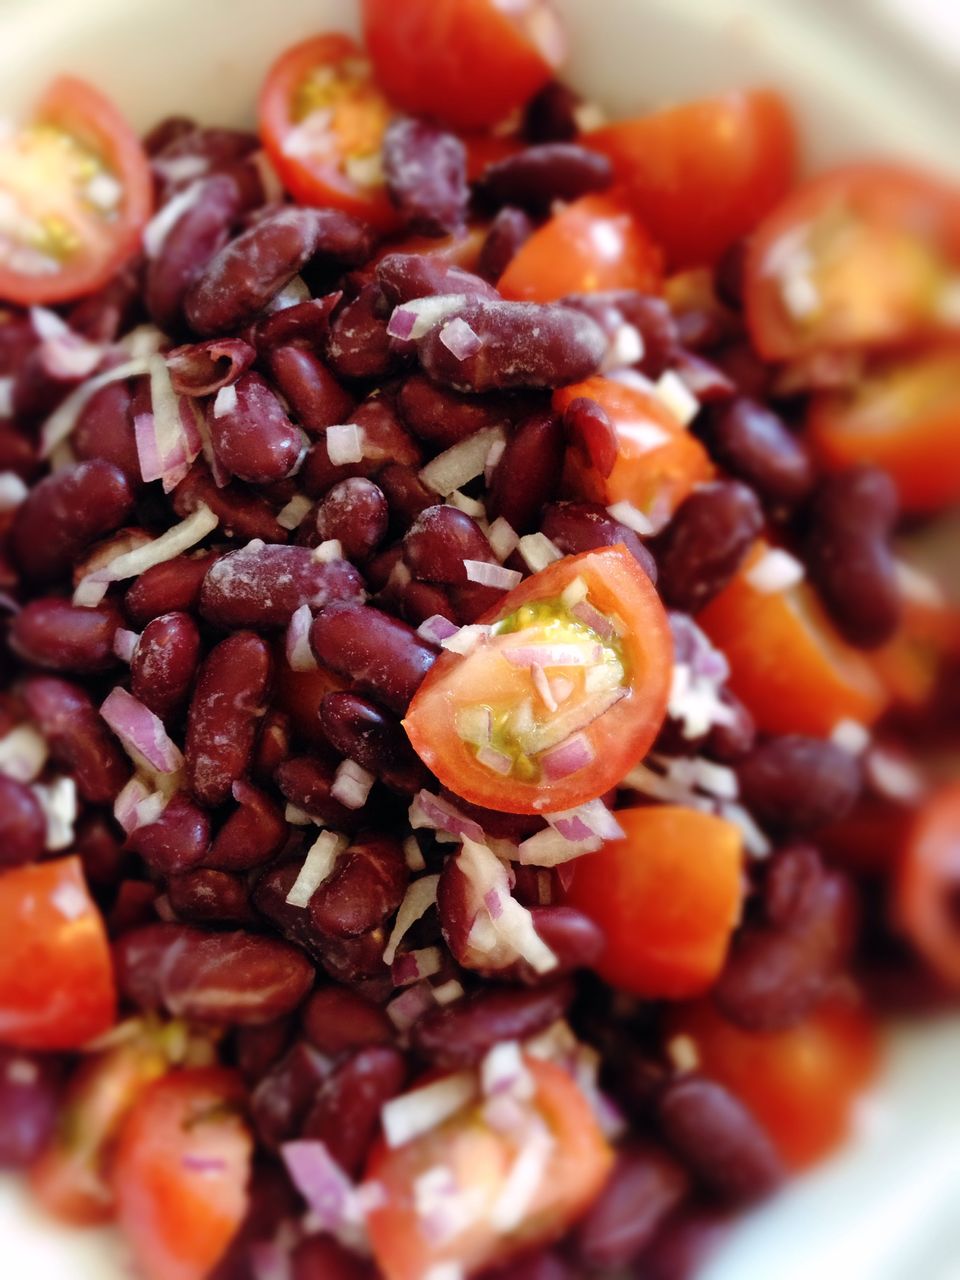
(346, 1113)
(335, 1020)
(98, 847)
(405, 276)
(170, 587)
(651, 317)
(751, 376)
(193, 241)
(718, 1139)
(164, 663)
(270, 899)
(406, 494)
(18, 452)
(23, 826)
(426, 174)
(210, 149)
(101, 553)
(355, 512)
(442, 417)
(528, 473)
(706, 542)
(55, 634)
(460, 1034)
(305, 324)
(379, 570)
(244, 276)
(254, 440)
(272, 746)
(228, 700)
(252, 834)
(305, 782)
(439, 541)
(104, 430)
(383, 656)
(550, 115)
(645, 1186)
(167, 131)
(684, 1244)
(793, 884)
(256, 1049)
(849, 557)
(584, 526)
(64, 513)
(316, 398)
(588, 427)
(536, 176)
(509, 232)
(366, 886)
(753, 443)
(236, 977)
(522, 344)
(203, 368)
(281, 1101)
(362, 731)
(321, 1258)
(29, 1105)
(730, 742)
(133, 906)
(263, 585)
(575, 940)
(78, 738)
(113, 309)
(357, 344)
(207, 896)
(242, 514)
(385, 441)
(798, 783)
(174, 842)
(40, 382)
(708, 382)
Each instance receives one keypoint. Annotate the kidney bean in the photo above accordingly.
(406, 496)
(426, 174)
(29, 1105)
(751, 376)
(405, 276)
(236, 977)
(708, 382)
(792, 888)
(460, 1034)
(550, 115)
(321, 1258)
(78, 738)
(576, 941)
(98, 847)
(706, 542)
(439, 541)
(522, 344)
(251, 835)
(650, 316)
(798, 783)
(270, 899)
(170, 587)
(588, 427)
(174, 842)
(52, 633)
(164, 663)
(346, 1113)
(849, 557)
(730, 742)
(40, 383)
(246, 274)
(133, 906)
(316, 398)
(305, 782)
(443, 418)
(355, 512)
(113, 309)
(536, 176)
(357, 344)
(509, 232)
(645, 1186)
(263, 585)
(385, 441)
(203, 368)
(227, 702)
(365, 887)
(207, 896)
(64, 513)
(383, 656)
(256, 1049)
(528, 473)
(684, 1244)
(254, 440)
(210, 149)
(242, 514)
(18, 452)
(584, 526)
(23, 826)
(305, 324)
(167, 131)
(104, 429)
(718, 1139)
(362, 731)
(281, 1101)
(753, 443)
(335, 1020)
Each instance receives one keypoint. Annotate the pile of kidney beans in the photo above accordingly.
(196, 900)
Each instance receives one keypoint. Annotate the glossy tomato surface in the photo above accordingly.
(927, 882)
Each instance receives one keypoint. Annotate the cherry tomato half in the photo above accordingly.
(322, 120)
(467, 1155)
(867, 256)
(561, 699)
(928, 883)
(79, 191)
(667, 897)
(467, 63)
(703, 174)
(56, 975)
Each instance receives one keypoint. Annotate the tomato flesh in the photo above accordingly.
(927, 884)
(565, 694)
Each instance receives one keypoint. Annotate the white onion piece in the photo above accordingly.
(775, 571)
(660, 787)
(431, 811)
(574, 593)
(125, 643)
(127, 801)
(295, 512)
(851, 735)
(317, 866)
(225, 401)
(511, 935)
(62, 421)
(465, 639)
(352, 784)
(413, 854)
(548, 848)
(23, 753)
(58, 800)
(495, 761)
(503, 1070)
(503, 538)
(627, 514)
(12, 491)
(299, 653)
(674, 394)
(6, 396)
(702, 774)
(570, 721)
(417, 1112)
(143, 734)
(329, 550)
(167, 437)
(469, 506)
(344, 443)
(181, 537)
(414, 320)
(754, 840)
(538, 551)
(524, 1179)
(462, 462)
(491, 575)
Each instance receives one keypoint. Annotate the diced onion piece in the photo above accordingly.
(590, 819)
(504, 1071)
(851, 735)
(459, 339)
(12, 491)
(538, 551)
(491, 575)
(421, 1110)
(696, 772)
(548, 848)
(674, 394)
(915, 585)
(127, 800)
(23, 753)
(410, 1005)
(754, 840)
(329, 1193)
(626, 348)
(299, 653)
(225, 401)
(475, 725)
(167, 438)
(894, 776)
(143, 734)
(413, 854)
(506, 933)
(437, 628)
(294, 291)
(167, 216)
(469, 506)
(414, 320)
(552, 655)
(569, 757)
(352, 784)
(6, 396)
(496, 761)
(329, 550)
(295, 512)
(344, 443)
(776, 570)
(627, 514)
(462, 462)
(181, 537)
(590, 617)
(419, 898)
(466, 639)
(503, 538)
(317, 866)
(296, 817)
(574, 593)
(58, 800)
(662, 787)
(125, 643)
(448, 991)
(59, 426)
(565, 723)
(433, 812)
(413, 966)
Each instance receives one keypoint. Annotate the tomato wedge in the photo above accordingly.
(867, 256)
(56, 975)
(703, 174)
(593, 244)
(77, 192)
(928, 884)
(467, 63)
(470, 1161)
(658, 463)
(180, 1173)
(322, 120)
(667, 897)
(554, 705)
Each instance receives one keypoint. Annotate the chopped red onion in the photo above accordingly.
(62, 421)
(125, 643)
(542, 686)
(413, 966)
(491, 575)
(431, 811)
(344, 443)
(130, 564)
(572, 755)
(126, 802)
(576, 717)
(317, 866)
(419, 898)
(352, 784)
(548, 848)
(590, 617)
(143, 734)
(466, 639)
(590, 819)
(537, 551)
(414, 320)
(408, 1007)
(459, 339)
(167, 438)
(329, 1193)
(504, 1071)
(437, 628)
(300, 655)
(417, 1112)
(552, 655)
(269, 1260)
(497, 761)
(462, 462)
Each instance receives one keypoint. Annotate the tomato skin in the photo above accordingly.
(702, 174)
(56, 975)
(179, 1219)
(800, 1084)
(926, 876)
(667, 898)
(465, 63)
(579, 1165)
(80, 109)
(594, 244)
(620, 736)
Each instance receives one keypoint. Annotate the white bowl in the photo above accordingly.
(864, 79)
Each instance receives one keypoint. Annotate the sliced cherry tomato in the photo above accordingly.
(322, 120)
(658, 463)
(593, 244)
(467, 63)
(867, 256)
(76, 188)
(787, 661)
(180, 1173)
(903, 415)
(56, 975)
(667, 897)
(703, 174)
(469, 1163)
(928, 884)
(561, 699)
